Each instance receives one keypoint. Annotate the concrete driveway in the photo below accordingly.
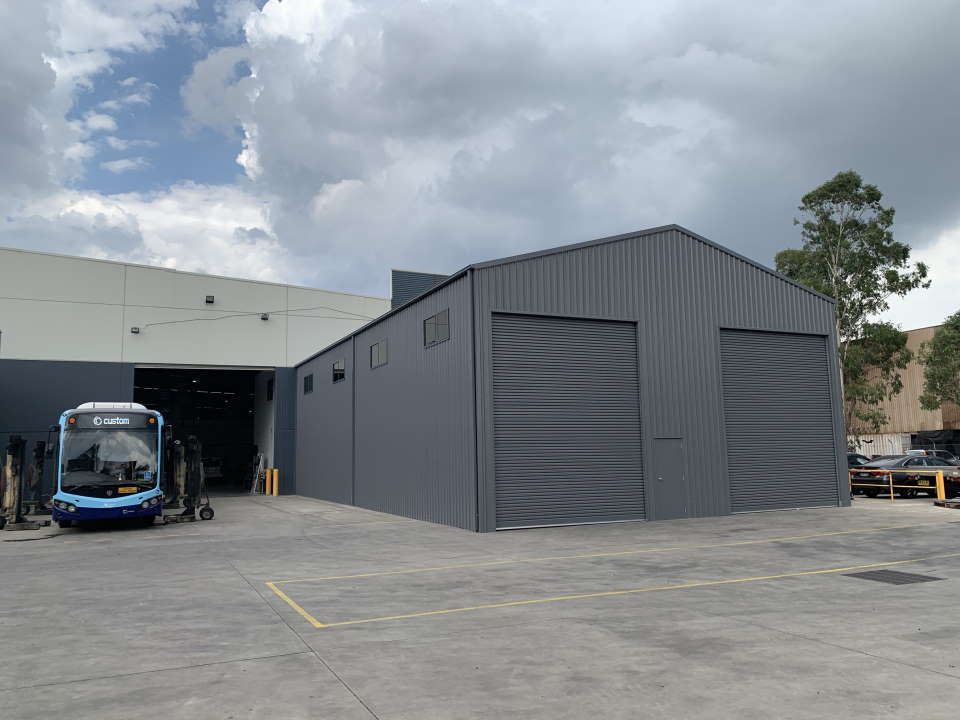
(295, 608)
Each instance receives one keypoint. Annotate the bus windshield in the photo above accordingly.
(96, 457)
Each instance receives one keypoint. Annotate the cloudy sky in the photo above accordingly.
(322, 142)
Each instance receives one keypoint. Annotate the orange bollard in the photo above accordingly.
(267, 477)
(276, 482)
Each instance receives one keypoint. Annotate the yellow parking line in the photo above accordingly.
(615, 593)
(588, 556)
(292, 603)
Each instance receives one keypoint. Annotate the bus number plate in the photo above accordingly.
(126, 490)
(923, 483)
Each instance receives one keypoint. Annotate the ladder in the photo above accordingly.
(257, 487)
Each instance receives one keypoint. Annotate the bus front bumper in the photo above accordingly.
(116, 512)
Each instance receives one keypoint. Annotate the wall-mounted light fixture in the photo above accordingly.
(209, 300)
(135, 330)
(265, 316)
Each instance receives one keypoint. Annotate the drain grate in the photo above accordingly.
(894, 577)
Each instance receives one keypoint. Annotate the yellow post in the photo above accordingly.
(890, 476)
(276, 482)
(941, 489)
(267, 476)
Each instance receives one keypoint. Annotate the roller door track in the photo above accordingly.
(779, 421)
(566, 421)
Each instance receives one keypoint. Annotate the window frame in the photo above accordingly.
(308, 383)
(342, 370)
(383, 355)
(434, 323)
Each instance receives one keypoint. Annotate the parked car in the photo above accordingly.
(943, 454)
(875, 473)
(856, 459)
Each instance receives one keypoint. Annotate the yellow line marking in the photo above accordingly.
(292, 603)
(632, 591)
(588, 556)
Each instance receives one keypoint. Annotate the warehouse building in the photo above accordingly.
(908, 425)
(215, 355)
(651, 375)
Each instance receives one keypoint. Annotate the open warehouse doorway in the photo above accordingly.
(230, 411)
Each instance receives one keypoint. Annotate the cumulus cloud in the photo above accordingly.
(51, 50)
(202, 228)
(446, 132)
(95, 122)
(433, 134)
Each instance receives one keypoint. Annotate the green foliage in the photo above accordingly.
(871, 371)
(849, 253)
(941, 358)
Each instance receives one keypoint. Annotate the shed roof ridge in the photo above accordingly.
(646, 233)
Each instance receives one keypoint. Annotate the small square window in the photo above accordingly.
(339, 371)
(436, 328)
(378, 354)
(308, 384)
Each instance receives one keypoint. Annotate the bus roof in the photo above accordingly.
(111, 406)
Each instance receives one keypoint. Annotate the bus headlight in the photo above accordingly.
(154, 501)
(60, 504)
(71, 508)
(145, 504)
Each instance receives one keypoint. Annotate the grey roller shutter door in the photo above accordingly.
(566, 421)
(778, 419)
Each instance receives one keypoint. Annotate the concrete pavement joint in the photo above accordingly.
(310, 650)
(838, 646)
(93, 678)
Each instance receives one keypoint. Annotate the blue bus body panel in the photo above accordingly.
(90, 508)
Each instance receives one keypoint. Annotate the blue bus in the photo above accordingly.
(109, 464)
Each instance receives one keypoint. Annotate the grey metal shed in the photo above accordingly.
(641, 376)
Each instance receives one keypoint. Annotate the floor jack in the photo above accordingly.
(12, 516)
(189, 476)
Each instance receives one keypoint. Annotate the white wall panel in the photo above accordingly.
(202, 338)
(42, 276)
(54, 307)
(263, 417)
(46, 330)
(157, 287)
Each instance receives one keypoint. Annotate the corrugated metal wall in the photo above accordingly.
(412, 418)
(325, 428)
(405, 285)
(680, 291)
(774, 391)
(414, 415)
(903, 410)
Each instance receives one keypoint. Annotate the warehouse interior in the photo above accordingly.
(229, 410)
